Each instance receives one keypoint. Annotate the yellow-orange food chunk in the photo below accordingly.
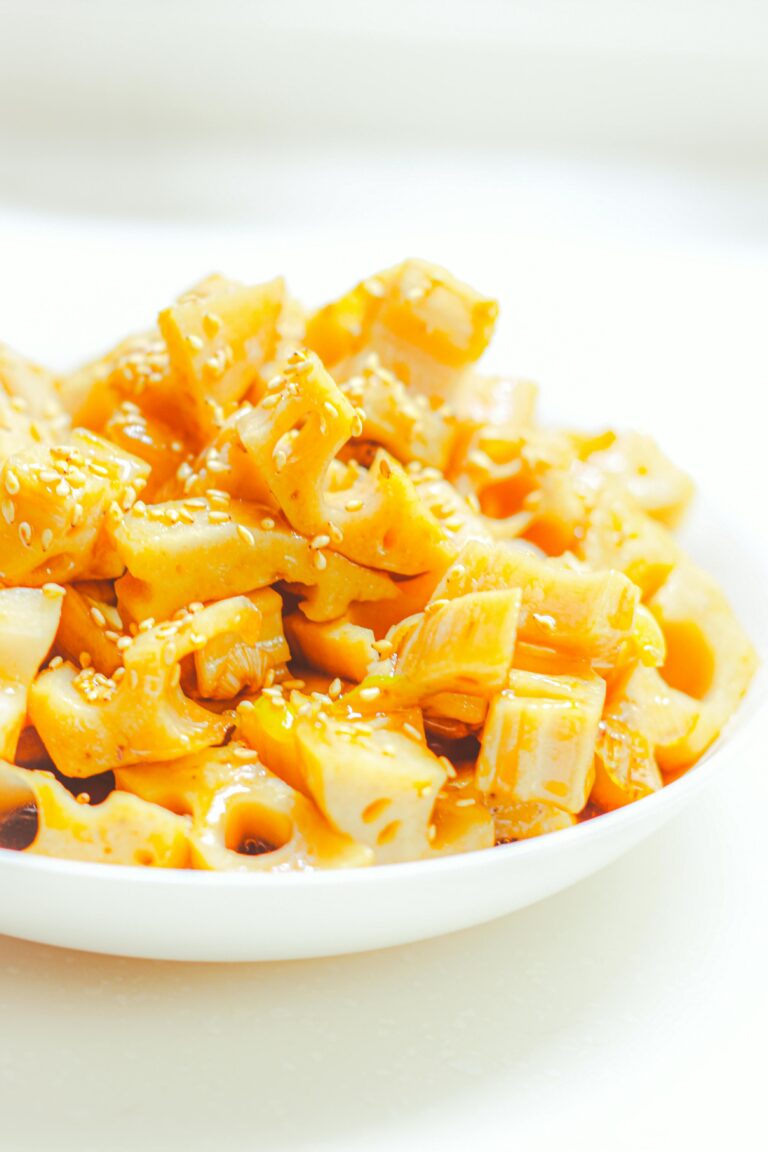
(244, 818)
(38, 815)
(539, 740)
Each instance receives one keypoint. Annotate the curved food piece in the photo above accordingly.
(337, 647)
(424, 325)
(620, 535)
(221, 345)
(29, 618)
(294, 434)
(661, 489)
(244, 818)
(54, 509)
(38, 815)
(90, 723)
(625, 766)
(463, 646)
(200, 549)
(407, 424)
(90, 625)
(589, 614)
(233, 661)
(709, 656)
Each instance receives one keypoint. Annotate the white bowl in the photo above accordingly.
(174, 915)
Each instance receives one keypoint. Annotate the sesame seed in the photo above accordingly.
(98, 469)
(53, 591)
(269, 679)
(77, 514)
(370, 693)
(383, 647)
(320, 561)
(271, 401)
(124, 643)
(25, 533)
(246, 535)
(279, 459)
(275, 382)
(334, 689)
(336, 533)
(448, 766)
(56, 662)
(9, 511)
(12, 483)
(63, 488)
(98, 617)
(218, 517)
(194, 341)
(217, 466)
(431, 833)
(297, 684)
(356, 427)
(466, 803)
(414, 732)
(212, 324)
(436, 605)
(147, 625)
(218, 496)
(321, 541)
(267, 523)
(353, 505)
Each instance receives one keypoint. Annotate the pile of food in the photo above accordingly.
(290, 590)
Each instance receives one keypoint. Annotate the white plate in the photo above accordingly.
(175, 915)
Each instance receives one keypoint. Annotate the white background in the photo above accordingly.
(603, 169)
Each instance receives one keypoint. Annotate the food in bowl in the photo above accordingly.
(286, 590)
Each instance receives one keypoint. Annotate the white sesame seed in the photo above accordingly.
(334, 689)
(320, 561)
(245, 534)
(370, 693)
(25, 533)
(321, 541)
(12, 483)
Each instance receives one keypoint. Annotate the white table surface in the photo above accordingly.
(628, 1012)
